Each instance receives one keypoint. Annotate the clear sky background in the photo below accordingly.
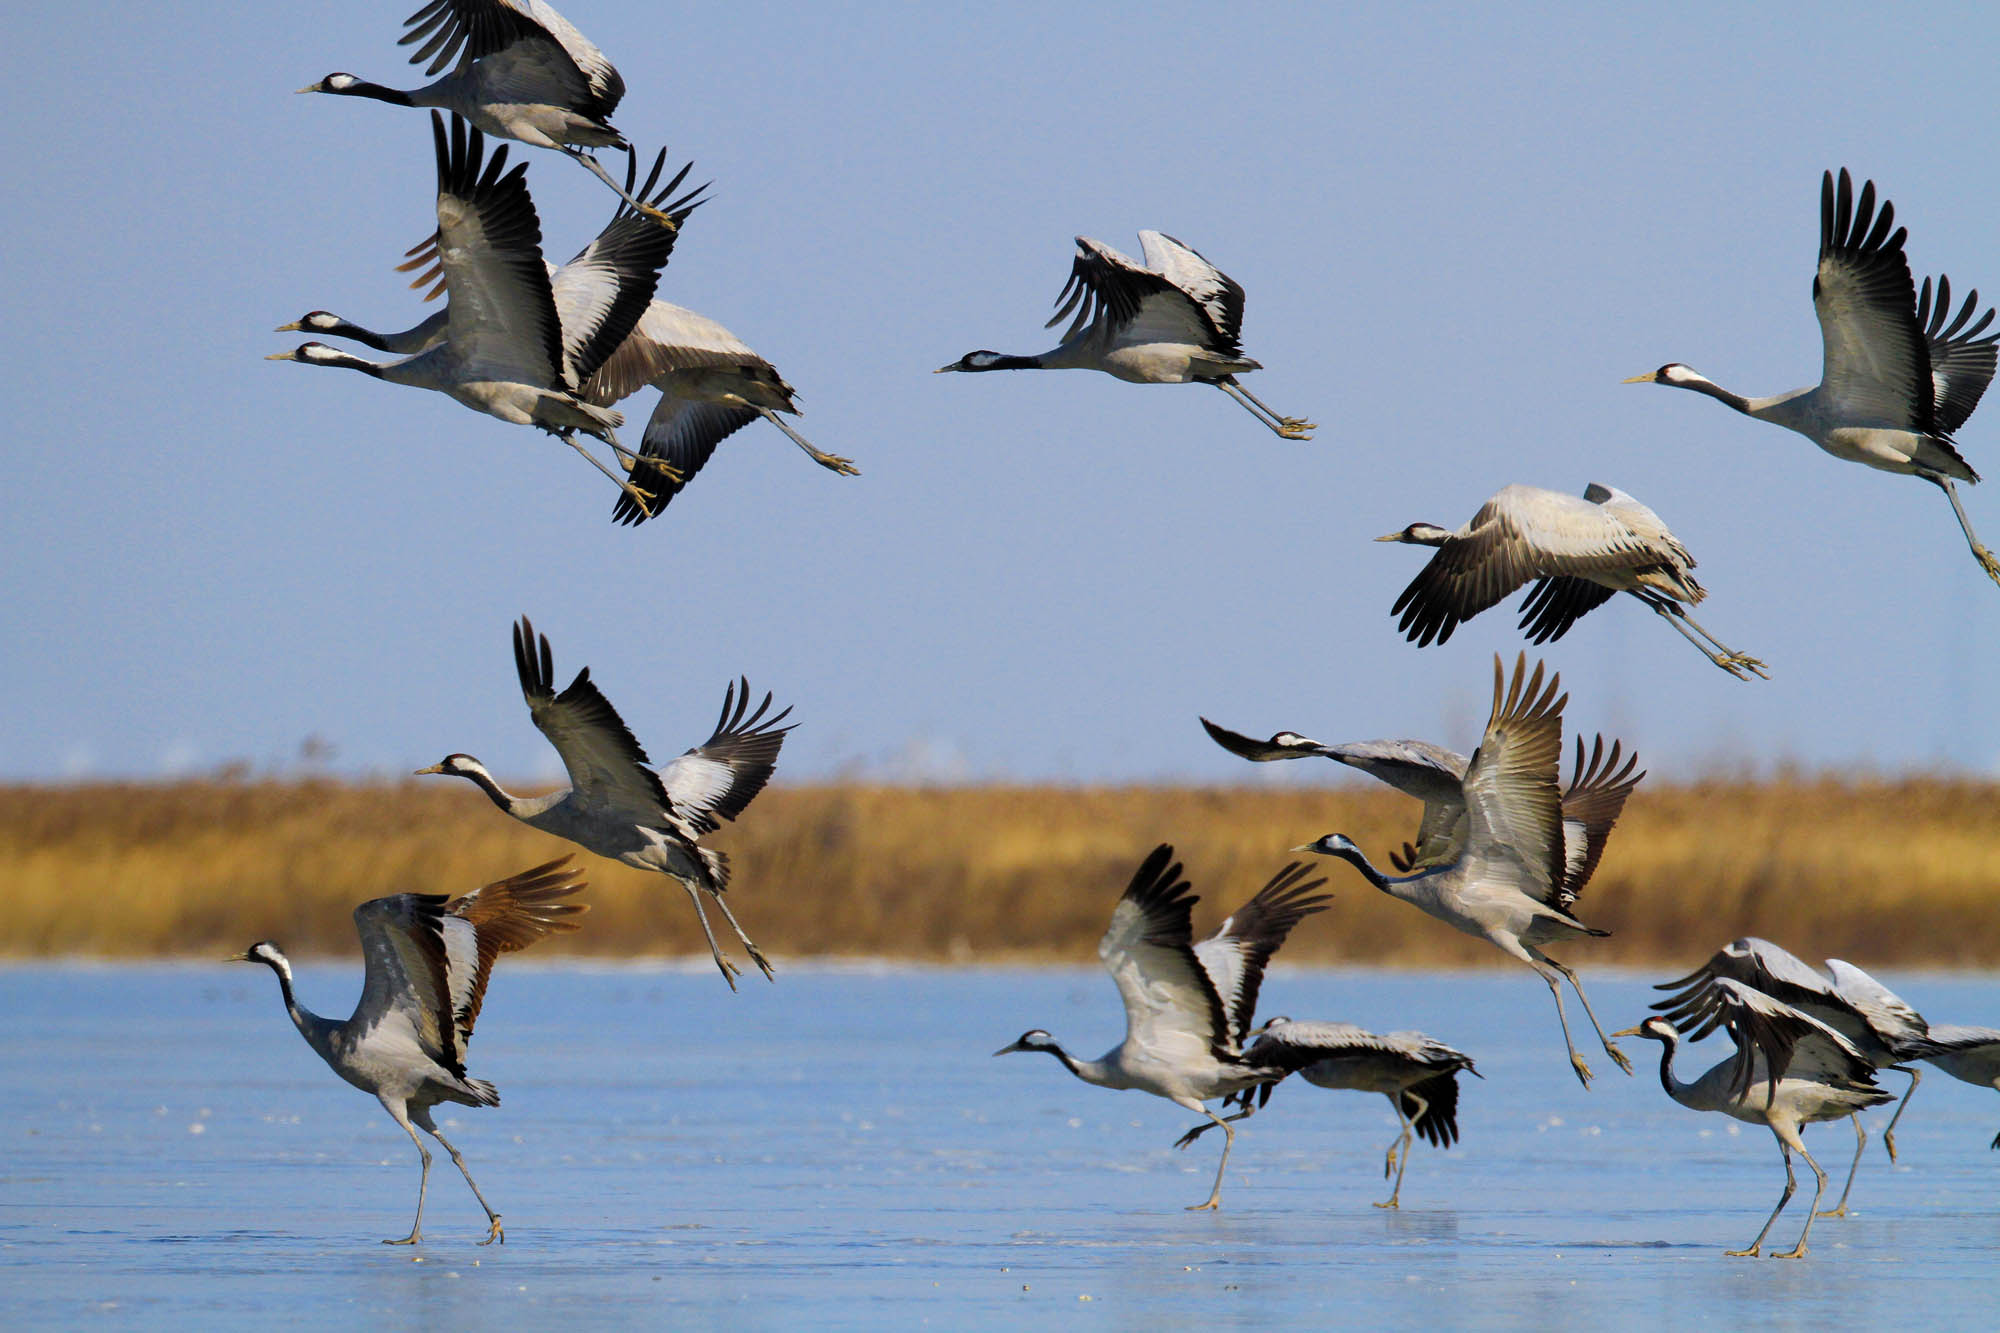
(1458, 228)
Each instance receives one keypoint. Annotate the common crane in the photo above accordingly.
(1969, 1054)
(1790, 1070)
(523, 72)
(515, 344)
(1517, 877)
(1188, 1006)
(619, 807)
(1876, 1022)
(1418, 1074)
(1901, 375)
(428, 961)
(1581, 551)
(1176, 319)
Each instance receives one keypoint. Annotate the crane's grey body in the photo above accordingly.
(427, 963)
(1790, 1070)
(1518, 867)
(522, 72)
(617, 805)
(1187, 1006)
(1875, 1021)
(1580, 550)
(1176, 319)
(1417, 1073)
(1900, 375)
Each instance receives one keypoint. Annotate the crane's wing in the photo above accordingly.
(1961, 360)
(1591, 804)
(1790, 1042)
(1522, 533)
(1964, 1052)
(1218, 295)
(671, 338)
(602, 294)
(1877, 364)
(1513, 806)
(501, 317)
(1898, 1026)
(405, 989)
(606, 763)
(683, 434)
(1171, 1008)
(1237, 954)
(1754, 962)
(715, 780)
(526, 33)
(1113, 297)
(1555, 604)
(498, 918)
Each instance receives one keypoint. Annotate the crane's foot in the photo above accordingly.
(1619, 1056)
(411, 1239)
(494, 1231)
(1988, 563)
(664, 219)
(729, 970)
(1583, 1073)
(1799, 1252)
(835, 463)
(1390, 1202)
(1214, 1203)
(1189, 1137)
(641, 497)
(1835, 1212)
(1389, 1165)
(1736, 664)
(763, 964)
(1889, 1142)
(1750, 1253)
(1294, 429)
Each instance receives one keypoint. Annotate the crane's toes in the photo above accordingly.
(1583, 1070)
(1833, 1212)
(1619, 1056)
(1211, 1206)
(1302, 431)
(1750, 1253)
(1749, 663)
(1889, 1143)
(1390, 1202)
(494, 1231)
(1988, 563)
(1296, 423)
(664, 219)
(1798, 1253)
(1389, 1165)
(763, 964)
(729, 970)
(1189, 1137)
(641, 497)
(835, 463)
(410, 1239)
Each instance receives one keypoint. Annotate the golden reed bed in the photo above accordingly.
(1882, 872)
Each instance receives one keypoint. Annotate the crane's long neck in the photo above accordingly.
(1044, 361)
(316, 1030)
(518, 806)
(407, 343)
(1676, 1089)
(1389, 884)
(1090, 1071)
(376, 92)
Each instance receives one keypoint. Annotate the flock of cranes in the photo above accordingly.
(1503, 849)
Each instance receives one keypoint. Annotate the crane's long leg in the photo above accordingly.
(401, 1117)
(1799, 1251)
(1889, 1134)
(1291, 428)
(1402, 1141)
(1739, 665)
(756, 955)
(643, 498)
(1985, 557)
(1860, 1142)
(1577, 986)
(1791, 1184)
(597, 170)
(844, 466)
(494, 1231)
(1550, 973)
(1184, 1140)
(729, 969)
(1228, 1142)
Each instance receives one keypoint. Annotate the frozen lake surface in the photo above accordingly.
(839, 1150)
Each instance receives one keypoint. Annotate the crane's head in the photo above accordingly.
(267, 953)
(1264, 1027)
(314, 354)
(980, 360)
(314, 321)
(332, 83)
(454, 765)
(1673, 373)
(1291, 740)
(1419, 534)
(1333, 844)
(1659, 1029)
(1032, 1040)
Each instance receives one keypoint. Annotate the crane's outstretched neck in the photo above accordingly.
(465, 766)
(316, 1030)
(1675, 1088)
(1090, 1071)
(1341, 846)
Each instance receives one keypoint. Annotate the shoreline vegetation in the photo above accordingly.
(1884, 872)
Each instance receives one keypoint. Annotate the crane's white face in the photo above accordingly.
(332, 83)
(1289, 738)
(263, 951)
(1032, 1040)
(980, 360)
(1673, 373)
(453, 765)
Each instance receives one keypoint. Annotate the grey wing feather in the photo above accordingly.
(1241, 948)
(605, 761)
(717, 779)
(496, 30)
(1962, 361)
(406, 984)
(1877, 362)
(683, 434)
(1172, 1009)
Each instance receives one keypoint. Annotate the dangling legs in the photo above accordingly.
(598, 171)
(642, 498)
(844, 466)
(401, 1117)
(756, 956)
(1791, 1184)
(1889, 1134)
(493, 1229)
(1228, 1142)
(1402, 1141)
(1799, 1251)
(1860, 1142)
(1546, 969)
(729, 970)
(1291, 428)
(1985, 557)
(1735, 663)
(1609, 1049)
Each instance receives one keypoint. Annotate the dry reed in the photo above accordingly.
(1883, 872)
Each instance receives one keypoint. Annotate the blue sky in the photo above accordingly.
(1458, 230)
